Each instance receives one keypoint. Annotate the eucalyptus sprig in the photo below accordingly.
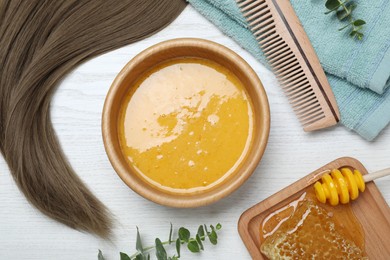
(194, 244)
(344, 10)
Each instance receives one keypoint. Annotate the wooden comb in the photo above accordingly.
(294, 61)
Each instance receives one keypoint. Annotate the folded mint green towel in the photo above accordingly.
(355, 69)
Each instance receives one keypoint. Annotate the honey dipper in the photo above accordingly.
(343, 185)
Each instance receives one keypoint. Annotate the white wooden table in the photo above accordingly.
(291, 154)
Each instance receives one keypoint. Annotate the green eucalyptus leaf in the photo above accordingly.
(140, 256)
(170, 234)
(161, 254)
(332, 4)
(359, 22)
(201, 232)
(199, 240)
(184, 234)
(213, 232)
(343, 14)
(353, 33)
(218, 226)
(178, 244)
(213, 237)
(100, 255)
(124, 256)
(193, 246)
(148, 256)
(138, 243)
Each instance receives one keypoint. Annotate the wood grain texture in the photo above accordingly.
(370, 209)
(76, 113)
(290, 54)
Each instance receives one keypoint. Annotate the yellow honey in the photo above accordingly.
(186, 125)
(304, 229)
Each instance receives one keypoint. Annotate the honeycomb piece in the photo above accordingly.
(310, 233)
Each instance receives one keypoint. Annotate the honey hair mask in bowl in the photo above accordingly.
(186, 122)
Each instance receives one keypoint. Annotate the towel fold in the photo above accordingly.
(355, 69)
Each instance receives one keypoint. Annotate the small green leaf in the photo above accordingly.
(193, 246)
(100, 255)
(124, 256)
(201, 232)
(184, 234)
(138, 243)
(140, 256)
(359, 36)
(148, 256)
(178, 244)
(218, 226)
(161, 254)
(213, 237)
(170, 234)
(199, 240)
(342, 14)
(332, 4)
(353, 33)
(359, 22)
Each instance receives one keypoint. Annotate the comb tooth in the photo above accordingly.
(264, 29)
(287, 57)
(281, 66)
(284, 76)
(293, 78)
(282, 58)
(264, 41)
(242, 3)
(275, 47)
(300, 86)
(298, 96)
(255, 21)
(276, 40)
(301, 101)
(255, 9)
(309, 123)
(284, 71)
(300, 105)
(294, 83)
(303, 105)
(310, 116)
(310, 102)
(257, 17)
(264, 22)
(267, 36)
(276, 51)
(250, 5)
(309, 107)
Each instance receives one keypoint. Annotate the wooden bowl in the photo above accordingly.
(149, 58)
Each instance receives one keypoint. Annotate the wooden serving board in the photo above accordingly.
(370, 209)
